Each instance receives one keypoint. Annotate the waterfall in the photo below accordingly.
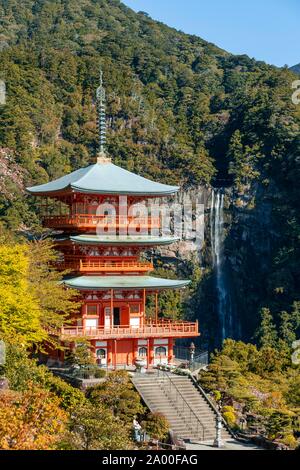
(224, 302)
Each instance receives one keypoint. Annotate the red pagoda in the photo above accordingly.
(101, 244)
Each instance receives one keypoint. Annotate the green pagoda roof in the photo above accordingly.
(123, 282)
(120, 240)
(104, 178)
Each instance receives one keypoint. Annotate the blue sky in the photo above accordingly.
(268, 30)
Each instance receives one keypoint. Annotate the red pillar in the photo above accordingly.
(83, 315)
(151, 352)
(135, 349)
(115, 353)
(111, 307)
(144, 307)
(109, 353)
(170, 349)
(148, 353)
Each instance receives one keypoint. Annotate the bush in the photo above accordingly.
(70, 397)
(118, 394)
(278, 423)
(229, 415)
(157, 426)
(99, 373)
(217, 395)
(290, 441)
(81, 355)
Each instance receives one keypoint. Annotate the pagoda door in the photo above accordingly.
(107, 318)
(117, 319)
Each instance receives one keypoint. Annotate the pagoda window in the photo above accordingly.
(91, 310)
(101, 353)
(134, 309)
(142, 352)
(161, 351)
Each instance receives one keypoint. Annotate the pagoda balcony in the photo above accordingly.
(97, 266)
(159, 329)
(91, 221)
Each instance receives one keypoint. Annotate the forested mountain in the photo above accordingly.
(180, 110)
(295, 68)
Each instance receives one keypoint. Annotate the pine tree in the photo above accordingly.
(286, 328)
(266, 333)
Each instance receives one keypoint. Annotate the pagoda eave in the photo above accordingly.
(133, 282)
(116, 240)
(104, 179)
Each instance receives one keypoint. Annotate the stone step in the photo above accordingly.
(155, 391)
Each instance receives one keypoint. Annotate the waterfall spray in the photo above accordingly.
(224, 304)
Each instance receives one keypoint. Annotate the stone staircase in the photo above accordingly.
(185, 406)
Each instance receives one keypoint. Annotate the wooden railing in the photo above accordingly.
(115, 266)
(106, 266)
(93, 221)
(150, 329)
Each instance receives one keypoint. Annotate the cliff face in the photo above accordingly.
(249, 247)
(234, 259)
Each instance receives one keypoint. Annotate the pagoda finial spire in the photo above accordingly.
(100, 94)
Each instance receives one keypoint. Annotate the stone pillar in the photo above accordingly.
(218, 440)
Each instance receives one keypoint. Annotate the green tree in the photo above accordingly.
(286, 328)
(156, 426)
(266, 333)
(80, 354)
(22, 370)
(20, 316)
(96, 428)
(33, 299)
(118, 395)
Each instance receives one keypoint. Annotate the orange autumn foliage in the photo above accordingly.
(31, 420)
